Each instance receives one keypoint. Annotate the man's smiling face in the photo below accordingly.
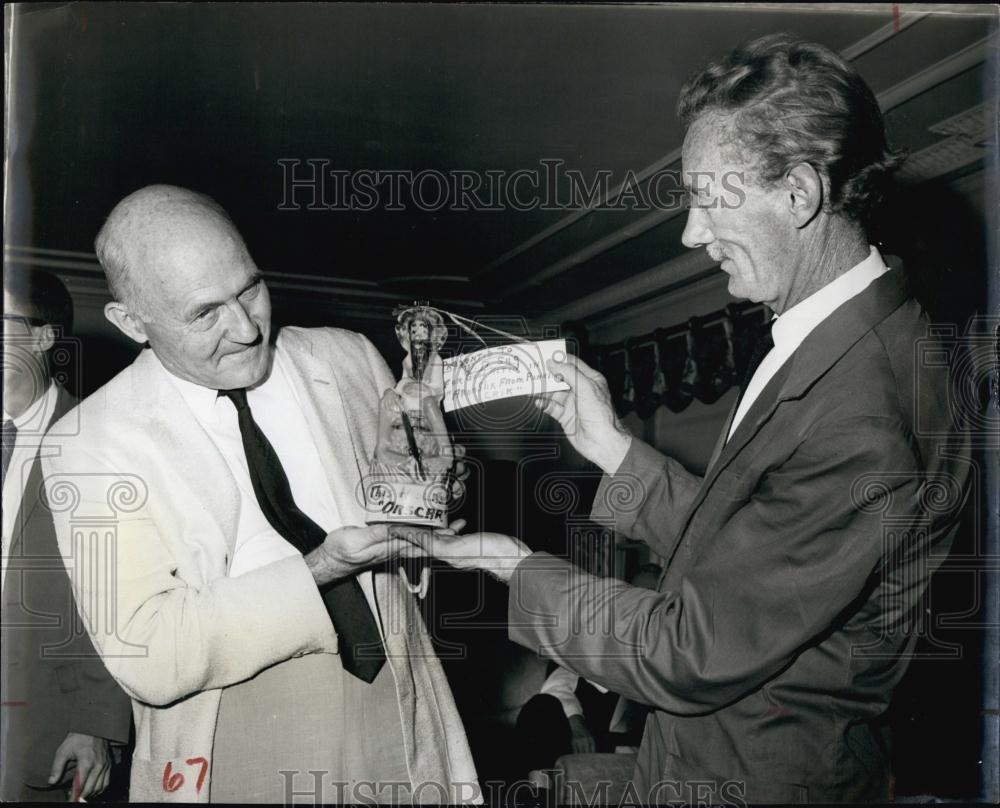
(742, 225)
(205, 308)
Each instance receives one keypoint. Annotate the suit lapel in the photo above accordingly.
(321, 391)
(33, 488)
(721, 441)
(819, 351)
(29, 501)
(185, 448)
(185, 445)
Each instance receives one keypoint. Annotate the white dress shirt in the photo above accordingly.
(791, 328)
(31, 426)
(278, 413)
(562, 683)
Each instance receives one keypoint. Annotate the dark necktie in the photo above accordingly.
(361, 651)
(763, 343)
(9, 436)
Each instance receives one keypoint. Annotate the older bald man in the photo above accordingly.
(239, 609)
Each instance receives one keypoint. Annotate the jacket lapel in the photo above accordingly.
(33, 488)
(320, 389)
(819, 351)
(323, 392)
(29, 501)
(185, 448)
(721, 441)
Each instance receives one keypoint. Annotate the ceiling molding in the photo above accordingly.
(663, 278)
(82, 271)
(884, 34)
(595, 248)
(698, 298)
(937, 73)
(575, 216)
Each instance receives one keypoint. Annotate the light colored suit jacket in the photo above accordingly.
(146, 514)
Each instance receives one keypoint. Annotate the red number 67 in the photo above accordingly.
(173, 781)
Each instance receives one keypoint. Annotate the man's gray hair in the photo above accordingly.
(799, 102)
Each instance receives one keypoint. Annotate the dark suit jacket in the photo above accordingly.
(53, 681)
(792, 596)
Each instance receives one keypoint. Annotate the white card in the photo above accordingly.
(505, 371)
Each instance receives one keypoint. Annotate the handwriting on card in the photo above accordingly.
(501, 372)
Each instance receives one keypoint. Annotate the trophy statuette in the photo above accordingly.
(410, 476)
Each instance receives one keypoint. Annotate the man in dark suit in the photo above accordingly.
(61, 710)
(797, 565)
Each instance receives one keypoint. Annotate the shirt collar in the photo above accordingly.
(792, 327)
(38, 415)
(200, 399)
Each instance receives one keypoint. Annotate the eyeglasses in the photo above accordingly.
(20, 318)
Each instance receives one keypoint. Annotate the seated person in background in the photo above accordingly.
(61, 710)
(573, 714)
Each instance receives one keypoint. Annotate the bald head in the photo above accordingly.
(148, 224)
(184, 282)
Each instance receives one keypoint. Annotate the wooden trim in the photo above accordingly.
(82, 271)
(937, 73)
(663, 278)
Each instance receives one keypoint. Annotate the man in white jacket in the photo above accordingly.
(211, 519)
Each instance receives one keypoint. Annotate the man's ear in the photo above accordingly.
(46, 338)
(122, 318)
(804, 189)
